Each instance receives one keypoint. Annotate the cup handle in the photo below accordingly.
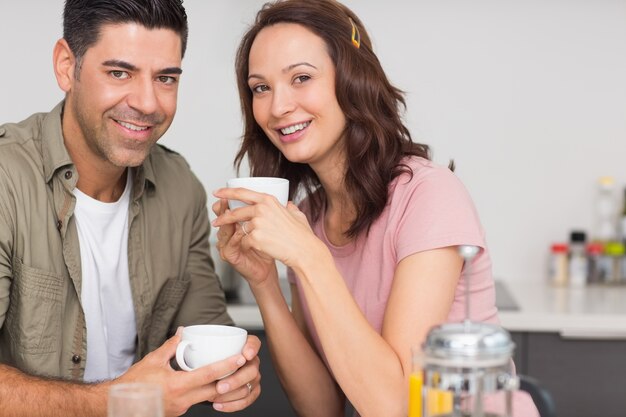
(180, 355)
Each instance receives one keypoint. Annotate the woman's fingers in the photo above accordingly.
(237, 215)
(220, 206)
(265, 229)
(245, 195)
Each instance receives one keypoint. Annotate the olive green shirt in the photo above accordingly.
(172, 279)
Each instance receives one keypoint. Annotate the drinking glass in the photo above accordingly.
(135, 399)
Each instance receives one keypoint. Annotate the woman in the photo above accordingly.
(372, 250)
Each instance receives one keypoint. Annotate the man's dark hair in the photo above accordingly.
(82, 19)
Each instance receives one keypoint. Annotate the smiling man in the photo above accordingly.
(104, 247)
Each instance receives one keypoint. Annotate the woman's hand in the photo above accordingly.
(251, 237)
(254, 266)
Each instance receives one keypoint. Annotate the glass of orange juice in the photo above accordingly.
(416, 382)
(438, 402)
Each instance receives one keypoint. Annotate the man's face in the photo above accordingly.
(123, 98)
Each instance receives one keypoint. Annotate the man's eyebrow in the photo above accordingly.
(171, 70)
(120, 64)
(130, 67)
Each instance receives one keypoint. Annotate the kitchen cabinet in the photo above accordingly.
(586, 377)
(573, 340)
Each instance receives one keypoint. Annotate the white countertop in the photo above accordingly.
(594, 312)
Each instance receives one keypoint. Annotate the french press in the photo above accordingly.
(465, 368)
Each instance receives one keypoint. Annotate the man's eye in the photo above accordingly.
(166, 79)
(121, 75)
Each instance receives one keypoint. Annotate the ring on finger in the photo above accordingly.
(249, 385)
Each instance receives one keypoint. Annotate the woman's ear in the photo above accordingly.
(64, 64)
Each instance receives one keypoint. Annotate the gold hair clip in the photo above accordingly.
(356, 36)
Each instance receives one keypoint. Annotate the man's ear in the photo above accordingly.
(64, 64)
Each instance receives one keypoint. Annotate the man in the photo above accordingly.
(103, 236)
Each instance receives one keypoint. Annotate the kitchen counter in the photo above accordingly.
(572, 340)
(595, 312)
(244, 310)
(247, 316)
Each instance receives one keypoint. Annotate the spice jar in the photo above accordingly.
(613, 262)
(595, 272)
(557, 264)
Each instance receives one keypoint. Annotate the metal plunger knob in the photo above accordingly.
(468, 252)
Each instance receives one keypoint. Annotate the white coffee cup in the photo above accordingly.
(278, 187)
(208, 343)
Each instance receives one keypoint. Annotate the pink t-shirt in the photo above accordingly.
(428, 211)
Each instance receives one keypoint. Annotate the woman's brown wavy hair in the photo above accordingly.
(375, 137)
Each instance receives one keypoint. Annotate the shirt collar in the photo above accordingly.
(55, 153)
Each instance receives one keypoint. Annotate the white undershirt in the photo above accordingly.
(106, 296)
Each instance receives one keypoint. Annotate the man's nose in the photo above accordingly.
(143, 97)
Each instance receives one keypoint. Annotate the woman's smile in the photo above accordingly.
(293, 132)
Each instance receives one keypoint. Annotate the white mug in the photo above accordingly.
(208, 343)
(278, 187)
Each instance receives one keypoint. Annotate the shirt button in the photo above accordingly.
(59, 225)
(76, 359)
(68, 175)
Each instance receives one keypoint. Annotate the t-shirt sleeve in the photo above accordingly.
(433, 210)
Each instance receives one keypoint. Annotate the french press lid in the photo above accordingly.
(468, 344)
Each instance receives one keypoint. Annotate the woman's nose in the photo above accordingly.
(282, 102)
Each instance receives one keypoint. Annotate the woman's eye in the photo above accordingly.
(301, 78)
(260, 88)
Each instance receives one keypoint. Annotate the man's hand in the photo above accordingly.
(183, 389)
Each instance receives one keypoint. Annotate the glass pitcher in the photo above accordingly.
(462, 370)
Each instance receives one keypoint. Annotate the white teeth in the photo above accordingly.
(132, 127)
(294, 128)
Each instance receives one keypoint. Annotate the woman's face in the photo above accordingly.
(292, 79)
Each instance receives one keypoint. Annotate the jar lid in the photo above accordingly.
(578, 236)
(595, 248)
(607, 181)
(468, 344)
(614, 248)
(559, 247)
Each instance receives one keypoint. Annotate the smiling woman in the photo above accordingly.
(293, 95)
(374, 240)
